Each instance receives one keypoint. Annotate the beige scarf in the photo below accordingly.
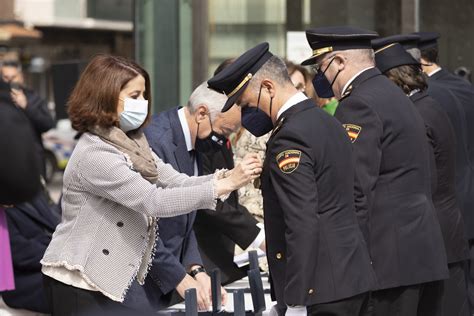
(134, 145)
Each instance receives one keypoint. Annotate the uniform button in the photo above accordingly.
(120, 224)
(105, 252)
(310, 291)
(279, 256)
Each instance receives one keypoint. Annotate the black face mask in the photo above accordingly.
(257, 122)
(212, 143)
(321, 84)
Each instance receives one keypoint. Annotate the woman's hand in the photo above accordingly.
(247, 170)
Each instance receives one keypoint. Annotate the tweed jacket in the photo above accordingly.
(105, 234)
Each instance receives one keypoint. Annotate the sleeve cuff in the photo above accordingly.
(219, 174)
(297, 310)
(259, 239)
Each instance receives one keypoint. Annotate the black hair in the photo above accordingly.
(430, 54)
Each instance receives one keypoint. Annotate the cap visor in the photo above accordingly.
(309, 61)
(231, 100)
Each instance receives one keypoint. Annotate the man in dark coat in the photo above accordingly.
(19, 171)
(31, 103)
(318, 260)
(392, 170)
(231, 224)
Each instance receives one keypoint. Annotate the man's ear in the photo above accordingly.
(202, 113)
(269, 85)
(341, 62)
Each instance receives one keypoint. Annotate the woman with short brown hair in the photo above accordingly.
(89, 106)
(114, 189)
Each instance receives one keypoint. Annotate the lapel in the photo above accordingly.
(182, 157)
(301, 106)
(198, 162)
(285, 116)
(228, 155)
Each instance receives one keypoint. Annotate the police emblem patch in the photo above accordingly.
(353, 131)
(288, 160)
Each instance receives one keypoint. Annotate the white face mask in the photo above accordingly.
(134, 114)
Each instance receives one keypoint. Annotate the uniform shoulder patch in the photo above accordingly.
(353, 131)
(288, 160)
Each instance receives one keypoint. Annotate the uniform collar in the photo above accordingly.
(295, 99)
(295, 108)
(419, 95)
(353, 78)
(434, 72)
(185, 128)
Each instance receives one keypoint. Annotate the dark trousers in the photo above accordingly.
(455, 302)
(352, 306)
(414, 300)
(470, 276)
(67, 300)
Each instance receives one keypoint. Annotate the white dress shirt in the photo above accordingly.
(187, 137)
(434, 71)
(295, 99)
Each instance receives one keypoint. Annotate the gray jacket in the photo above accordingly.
(106, 233)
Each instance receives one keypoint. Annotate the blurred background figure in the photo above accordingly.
(31, 225)
(299, 75)
(302, 80)
(19, 179)
(31, 103)
(328, 105)
(19, 172)
(464, 73)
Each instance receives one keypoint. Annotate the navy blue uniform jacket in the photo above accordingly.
(392, 163)
(315, 249)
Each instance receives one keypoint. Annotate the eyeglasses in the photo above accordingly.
(317, 67)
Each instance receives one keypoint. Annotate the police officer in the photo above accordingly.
(391, 160)
(408, 41)
(395, 63)
(450, 104)
(318, 260)
(463, 91)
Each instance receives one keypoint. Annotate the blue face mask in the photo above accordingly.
(321, 84)
(257, 122)
(133, 115)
